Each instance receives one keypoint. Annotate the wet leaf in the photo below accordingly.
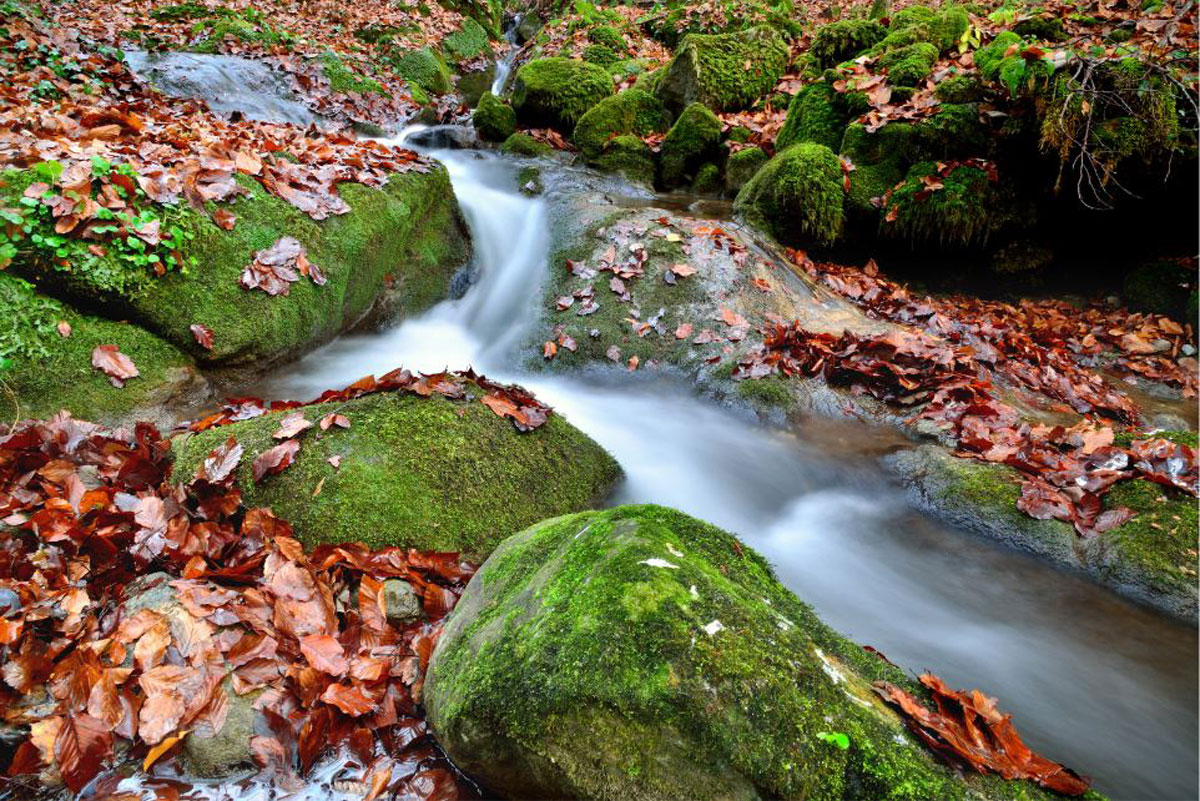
(116, 365)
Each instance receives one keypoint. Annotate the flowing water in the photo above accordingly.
(504, 65)
(1098, 683)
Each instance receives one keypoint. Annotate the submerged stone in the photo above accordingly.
(641, 653)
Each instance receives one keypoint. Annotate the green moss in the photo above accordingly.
(880, 160)
(797, 195)
(469, 42)
(909, 16)
(843, 40)
(50, 372)
(609, 37)
(628, 156)
(343, 79)
(770, 392)
(693, 139)
(494, 120)
(708, 179)
(1160, 542)
(1041, 28)
(425, 473)
(557, 92)
(943, 29)
(629, 112)
(600, 54)
(407, 233)
(961, 212)
(424, 68)
(712, 70)
(1017, 74)
(585, 660)
(954, 131)
(522, 144)
(959, 89)
(742, 166)
(648, 82)
(1161, 287)
(910, 65)
(529, 180)
(812, 117)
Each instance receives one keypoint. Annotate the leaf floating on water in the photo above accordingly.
(116, 365)
(967, 728)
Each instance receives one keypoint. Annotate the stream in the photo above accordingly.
(1091, 680)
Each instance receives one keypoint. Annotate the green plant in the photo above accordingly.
(834, 738)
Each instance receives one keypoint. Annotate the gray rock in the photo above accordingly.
(400, 601)
(226, 753)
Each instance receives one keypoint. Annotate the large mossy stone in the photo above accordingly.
(694, 139)
(742, 166)
(494, 120)
(638, 653)
(797, 195)
(557, 92)
(630, 157)
(49, 372)
(427, 473)
(726, 72)
(843, 40)
(812, 117)
(424, 68)
(630, 112)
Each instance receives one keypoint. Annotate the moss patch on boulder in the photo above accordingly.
(557, 92)
(426, 473)
(962, 211)
(522, 144)
(843, 40)
(469, 42)
(494, 120)
(628, 156)
(640, 653)
(49, 372)
(742, 166)
(909, 65)
(712, 70)
(424, 68)
(694, 139)
(797, 195)
(812, 117)
(630, 112)
(880, 160)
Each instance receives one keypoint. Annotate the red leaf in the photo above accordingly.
(203, 335)
(81, 745)
(116, 365)
(325, 654)
(351, 700)
(275, 460)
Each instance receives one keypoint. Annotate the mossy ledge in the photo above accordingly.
(424, 473)
(639, 653)
(1151, 558)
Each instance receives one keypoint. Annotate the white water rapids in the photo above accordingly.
(1091, 680)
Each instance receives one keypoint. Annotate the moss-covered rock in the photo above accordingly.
(959, 89)
(609, 37)
(648, 82)
(424, 68)
(812, 117)
(425, 473)
(640, 653)
(628, 156)
(880, 160)
(630, 112)
(557, 92)
(467, 43)
(1044, 28)
(494, 119)
(742, 166)
(694, 139)
(963, 209)
(48, 372)
(942, 28)
(1157, 548)
(955, 131)
(708, 179)
(909, 65)
(600, 54)
(522, 144)
(1162, 287)
(797, 195)
(843, 40)
(473, 84)
(712, 70)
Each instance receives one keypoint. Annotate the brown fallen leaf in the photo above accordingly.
(224, 218)
(275, 460)
(203, 335)
(334, 419)
(291, 425)
(157, 751)
(116, 365)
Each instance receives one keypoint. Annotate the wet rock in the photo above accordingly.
(225, 753)
(401, 601)
(426, 473)
(641, 653)
(494, 120)
(10, 602)
(445, 137)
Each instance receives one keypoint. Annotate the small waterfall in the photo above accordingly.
(504, 65)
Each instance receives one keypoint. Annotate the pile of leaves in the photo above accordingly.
(87, 511)
(506, 400)
(969, 730)
(947, 374)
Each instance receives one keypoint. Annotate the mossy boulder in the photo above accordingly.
(955, 131)
(909, 65)
(600, 54)
(426, 473)
(797, 195)
(742, 166)
(880, 160)
(494, 119)
(467, 43)
(424, 68)
(942, 28)
(628, 156)
(960, 89)
(713, 70)
(640, 653)
(557, 92)
(522, 144)
(629, 112)
(843, 40)
(966, 206)
(694, 139)
(48, 372)
(708, 179)
(812, 117)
